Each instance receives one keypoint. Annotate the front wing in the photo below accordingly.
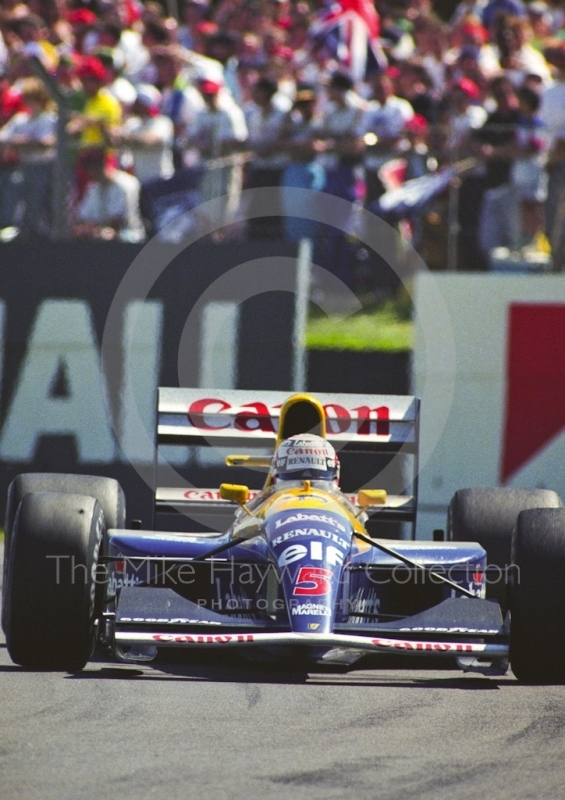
(456, 627)
(330, 640)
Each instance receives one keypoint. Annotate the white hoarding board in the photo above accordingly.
(507, 421)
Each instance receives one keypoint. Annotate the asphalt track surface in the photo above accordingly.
(207, 729)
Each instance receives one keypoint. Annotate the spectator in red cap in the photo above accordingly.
(102, 113)
(82, 21)
(280, 66)
(209, 88)
(469, 88)
(193, 12)
(110, 206)
(417, 126)
(29, 139)
(465, 115)
(417, 150)
(219, 130)
(91, 67)
(223, 48)
(471, 35)
(201, 33)
(82, 17)
(218, 100)
(467, 66)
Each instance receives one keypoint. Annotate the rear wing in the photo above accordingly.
(240, 419)
(223, 418)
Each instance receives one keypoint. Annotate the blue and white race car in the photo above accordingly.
(296, 570)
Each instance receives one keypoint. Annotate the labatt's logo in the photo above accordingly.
(211, 413)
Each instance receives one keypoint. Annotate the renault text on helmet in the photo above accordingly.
(305, 457)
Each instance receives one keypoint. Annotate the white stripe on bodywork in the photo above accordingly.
(371, 643)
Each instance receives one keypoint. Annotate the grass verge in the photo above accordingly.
(385, 329)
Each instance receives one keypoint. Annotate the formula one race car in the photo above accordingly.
(288, 571)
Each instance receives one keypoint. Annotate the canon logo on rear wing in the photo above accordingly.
(212, 414)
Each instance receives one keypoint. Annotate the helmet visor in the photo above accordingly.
(297, 466)
(308, 474)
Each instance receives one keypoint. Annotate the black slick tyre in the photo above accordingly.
(56, 539)
(537, 633)
(489, 516)
(107, 491)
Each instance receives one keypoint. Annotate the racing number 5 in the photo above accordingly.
(318, 578)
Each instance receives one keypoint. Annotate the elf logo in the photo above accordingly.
(315, 550)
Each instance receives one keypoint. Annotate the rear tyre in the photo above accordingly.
(489, 516)
(107, 491)
(51, 582)
(537, 633)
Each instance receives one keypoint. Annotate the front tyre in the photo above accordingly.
(537, 634)
(107, 491)
(52, 580)
(489, 516)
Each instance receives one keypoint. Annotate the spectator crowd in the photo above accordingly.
(159, 107)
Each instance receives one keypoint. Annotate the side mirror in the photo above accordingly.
(371, 497)
(234, 492)
(248, 461)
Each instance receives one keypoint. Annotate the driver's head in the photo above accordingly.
(305, 457)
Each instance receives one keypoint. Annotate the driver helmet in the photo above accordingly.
(305, 457)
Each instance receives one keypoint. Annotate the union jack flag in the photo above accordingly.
(350, 30)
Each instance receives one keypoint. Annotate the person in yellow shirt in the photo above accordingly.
(102, 113)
